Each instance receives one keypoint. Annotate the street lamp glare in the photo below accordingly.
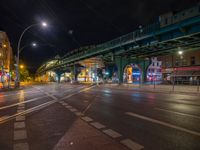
(180, 52)
(34, 44)
(44, 24)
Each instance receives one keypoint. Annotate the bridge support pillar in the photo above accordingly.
(120, 63)
(75, 71)
(58, 74)
(144, 64)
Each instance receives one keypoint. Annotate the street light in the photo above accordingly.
(34, 44)
(180, 52)
(44, 24)
(17, 81)
(21, 66)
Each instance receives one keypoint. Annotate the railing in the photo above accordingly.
(130, 37)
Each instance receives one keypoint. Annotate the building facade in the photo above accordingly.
(6, 55)
(184, 66)
(154, 70)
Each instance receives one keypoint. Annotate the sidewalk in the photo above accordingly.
(82, 136)
(186, 89)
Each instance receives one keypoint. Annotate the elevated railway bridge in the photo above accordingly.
(161, 38)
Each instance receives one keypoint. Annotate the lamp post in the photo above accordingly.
(17, 81)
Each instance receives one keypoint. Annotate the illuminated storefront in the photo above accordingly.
(132, 74)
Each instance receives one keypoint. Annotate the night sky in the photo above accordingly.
(89, 21)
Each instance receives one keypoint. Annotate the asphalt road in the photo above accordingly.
(38, 117)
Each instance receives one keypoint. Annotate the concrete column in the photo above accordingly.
(121, 63)
(144, 64)
(58, 74)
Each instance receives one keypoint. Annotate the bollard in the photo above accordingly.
(173, 84)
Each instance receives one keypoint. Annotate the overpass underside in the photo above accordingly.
(134, 48)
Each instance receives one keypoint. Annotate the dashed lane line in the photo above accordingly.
(18, 125)
(21, 146)
(39, 107)
(20, 135)
(112, 133)
(87, 119)
(20, 118)
(98, 125)
(73, 109)
(126, 142)
(79, 114)
(177, 113)
(131, 144)
(163, 123)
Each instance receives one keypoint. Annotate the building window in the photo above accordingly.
(176, 63)
(184, 62)
(192, 60)
(153, 64)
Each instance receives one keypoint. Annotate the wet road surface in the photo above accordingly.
(39, 117)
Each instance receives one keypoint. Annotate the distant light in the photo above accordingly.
(70, 32)
(0, 54)
(107, 73)
(44, 24)
(21, 66)
(180, 52)
(4, 45)
(34, 44)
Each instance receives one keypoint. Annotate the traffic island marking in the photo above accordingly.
(112, 133)
(131, 144)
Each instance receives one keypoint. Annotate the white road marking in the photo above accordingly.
(163, 123)
(18, 125)
(22, 104)
(20, 107)
(19, 110)
(131, 144)
(21, 146)
(87, 119)
(20, 134)
(73, 109)
(20, 118)
(98, 125)
(19, 93)
(69, 107)
(64, 104)
(78, 113)
(55, 99)
(178, 113)
(112, 133)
